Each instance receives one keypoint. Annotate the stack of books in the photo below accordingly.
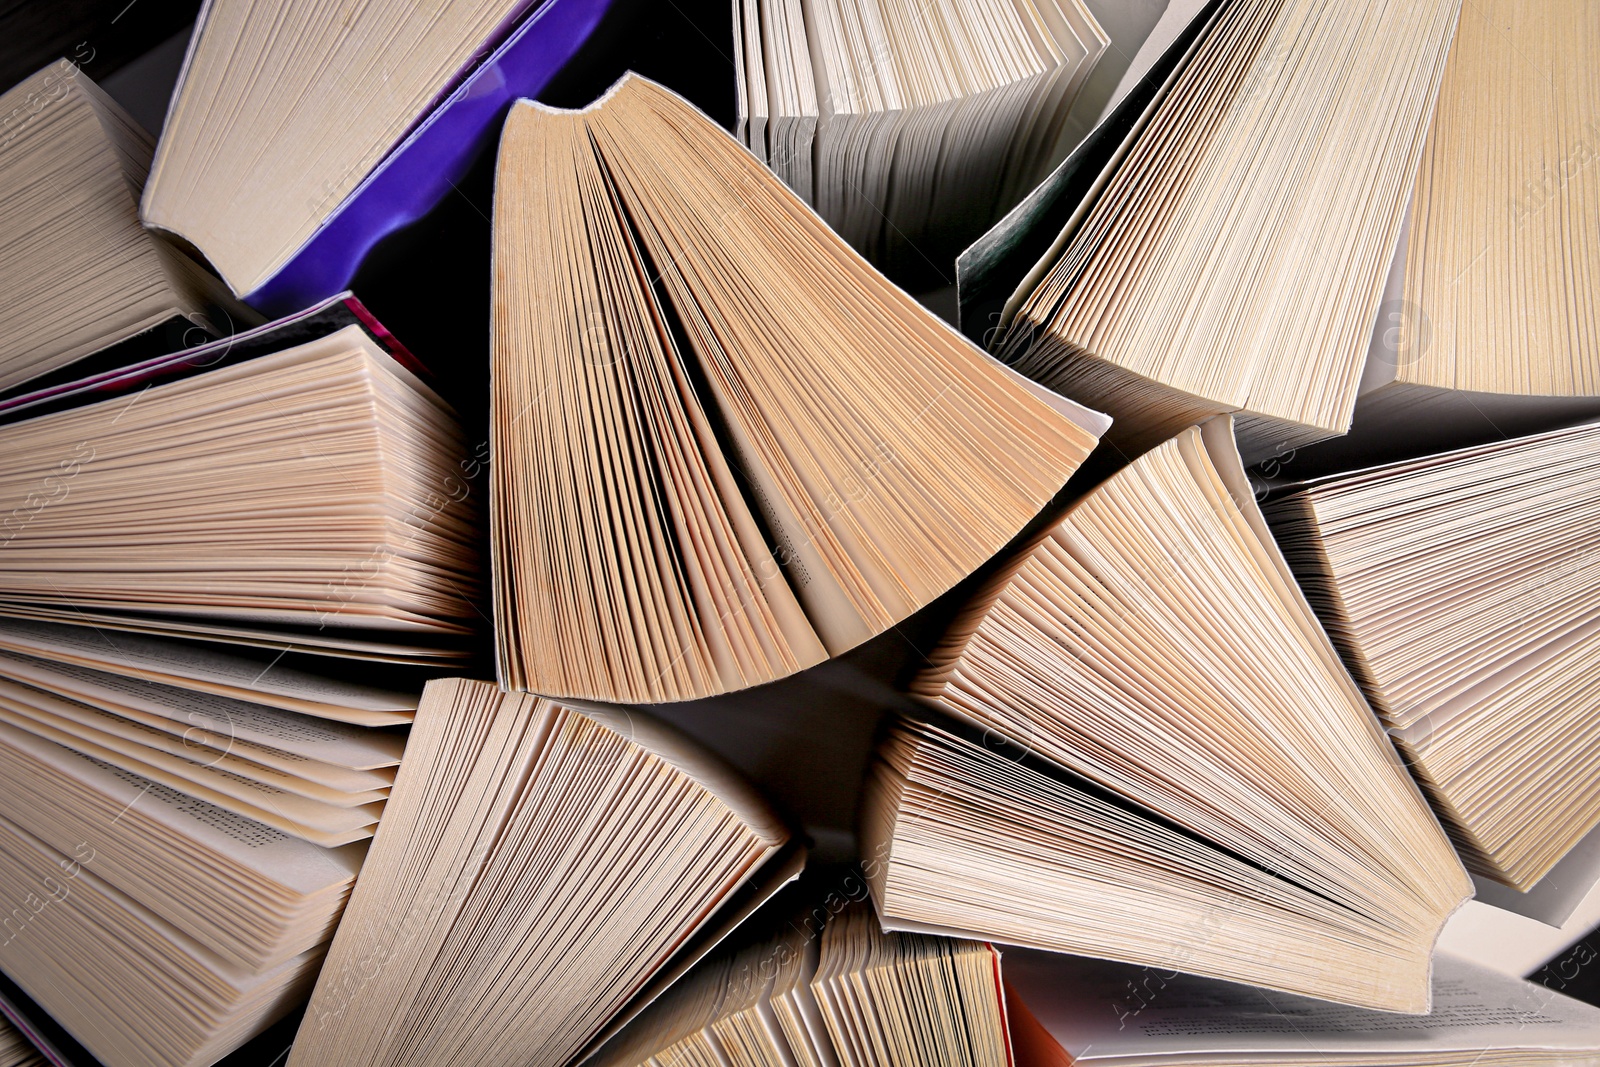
(339, 729)
(221, 569)
(228, 566)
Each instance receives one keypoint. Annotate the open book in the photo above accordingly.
(156, 928)
(828, 989)
(1464, 591)
(323, 687)
(535, 871)
(1228, 247)
(300, 496)
(911, 128)
(121, 369)
(1158, 757)
(1095, 1014)
(320, 781)
(301, 134)
(724, 447)
(79, 272)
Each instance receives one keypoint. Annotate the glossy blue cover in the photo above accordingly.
(423, 168)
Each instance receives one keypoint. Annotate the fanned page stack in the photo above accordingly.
(828, 991)
(159, 930)
(300, 133)
(279, 677)
(1464, 592)
(1492, 326)
(294, 497)
(1162, 761)
(911, 128)
(535, 869)
(1232, 254)
(319, 781)
(723, 447)
(1066, 1012)
(79, 273)
(190, 779)
(15, 1051)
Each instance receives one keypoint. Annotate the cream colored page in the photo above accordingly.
(836, 621)
(228, 762)
(704, 942)
(79, 273)
(115, 908)
(718, 777)
(315, 822)
(311, 518)
(778, 398)
(248, 636)
(221, 718)
(240, 671)
(1503, 270)
(248, 194)
(276, 857)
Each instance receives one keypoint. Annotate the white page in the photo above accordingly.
(1104, 1012)
(1515, 944)
(1174, 20)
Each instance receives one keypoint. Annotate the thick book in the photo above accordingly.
(1227, 246)
(183, 712)
(361, 118)
(828, 988)
(536, 870)
(300, 496)
(1091, 1014)
(911, 129)
(81, 275)
(1463, 591)
(1155, 755)
(994, 265)
(1489, 326)
(724, 448)
(156, 928)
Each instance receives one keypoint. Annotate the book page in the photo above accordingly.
(231, 766)
(232, 672)
(1177, 17)
(1102, 1012)
(705, 767)
(1515, 944)
(221, 718)
(763, 886)
(1556, 896)
(314, 821)
(299, 866)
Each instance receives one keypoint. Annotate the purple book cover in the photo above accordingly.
(424, 166)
